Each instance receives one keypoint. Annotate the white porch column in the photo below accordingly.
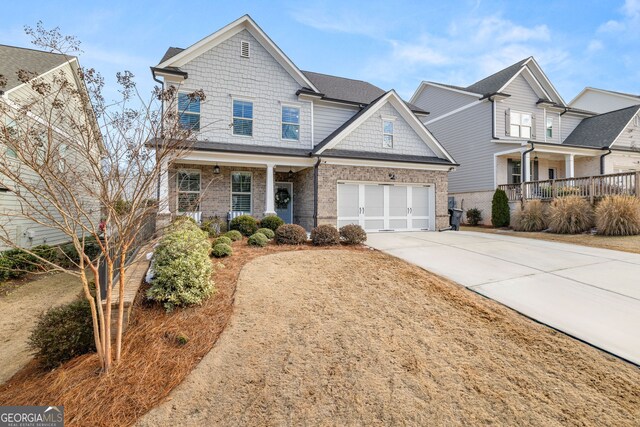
(527, 167)
(270, 208)
(569, 166)
(163, 196)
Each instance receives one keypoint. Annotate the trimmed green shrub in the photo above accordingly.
(63, 333)
(570, 215)
(221, 250)
(271, 222)
(353, 234)
(45, 252)
(291, 234)
(70, 254)
(474, 216)
(532, 217)
(267, 232)
(182, 267)
(325, 235)
(214, 226)
(5, 268)
(258, 239)
(618, 216)
(245, 224)
(500, 213)
(234, 235)
(183, 218)
(222, 239)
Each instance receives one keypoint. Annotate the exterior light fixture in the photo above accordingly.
(216, 169)
(290, 174)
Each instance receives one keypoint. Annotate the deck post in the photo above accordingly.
(592, 188)
(553, 189)
(636, 184)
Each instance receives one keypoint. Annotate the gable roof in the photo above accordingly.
(602, 130)
(495, 82)
(629, 96)
(13, 59)
(170, 53)
(402, 108)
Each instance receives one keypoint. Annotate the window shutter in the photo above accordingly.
(507, 121)
(533, 126)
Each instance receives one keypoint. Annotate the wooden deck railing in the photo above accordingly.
(592, 187)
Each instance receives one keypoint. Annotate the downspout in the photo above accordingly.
(161, 126)
(602, 159)
(493, 118)
(315, 192)
(524, 158)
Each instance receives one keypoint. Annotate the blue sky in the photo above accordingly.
(391, 44)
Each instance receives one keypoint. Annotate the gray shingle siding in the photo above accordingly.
(438, 101)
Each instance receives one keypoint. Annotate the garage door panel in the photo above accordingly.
(420, 201)
(398, 201)
(349, 201)
(373, 201)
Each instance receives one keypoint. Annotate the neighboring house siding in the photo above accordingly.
(368, 136)
(630, 137)
(522, 99)
(569, 123)
(599, 102)
(438, 101)
(223, 74)
(327, 119)
(467, 137)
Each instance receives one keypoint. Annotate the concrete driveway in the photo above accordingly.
(589, 293)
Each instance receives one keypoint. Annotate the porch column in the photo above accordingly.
(270, 192)
(569, 165)
(527, 167)
(163, 188)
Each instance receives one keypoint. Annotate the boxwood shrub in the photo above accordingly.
(271, 222)
(325, 235)
(222, 239)
(245, 224)
(291, 234)
(258, 239)
(182, 267)
(234, 235)
(267, 232)
(353, 234)
(221, 250)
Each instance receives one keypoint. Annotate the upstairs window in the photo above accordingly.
(291, 123)
(387, 134)
(189, 111)
(520, 124)
(549, 127)
(241, 192)
(242, 118)
(188, 191)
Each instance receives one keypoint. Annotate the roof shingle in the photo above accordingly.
(601, 131)
(13, 59)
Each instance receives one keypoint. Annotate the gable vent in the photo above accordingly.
(244, 49)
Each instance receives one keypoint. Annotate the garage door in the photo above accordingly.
(386, 207)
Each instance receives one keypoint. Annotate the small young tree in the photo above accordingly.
(500, 212)
(68, 159)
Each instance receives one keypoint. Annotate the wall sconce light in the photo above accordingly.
(290, 174)
(216, 169)
(392, 176)
(535, 159)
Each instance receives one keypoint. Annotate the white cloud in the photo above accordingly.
(594, 46)
(611, 26)
(339, 21)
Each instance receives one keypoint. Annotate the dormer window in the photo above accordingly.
(387, 133)
(244, 49)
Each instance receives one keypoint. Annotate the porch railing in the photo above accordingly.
(591, 187)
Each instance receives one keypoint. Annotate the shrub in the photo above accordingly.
(63, 333)
(532, 217)
(267, 232)
(245, 224)
(474, 216)
(214, 226)
(258, 239)
(234, 235)
(183, 218)
(271, 222)
(570, 215)
(222, 239)
(325, 235)
(70, 254)
(221, 250)
(45, 252)
(500, 214)
(291, 234)
(17, 263)
(122, 207)
(353, 234)
(618, 216)
(182, 267)
(6, 268)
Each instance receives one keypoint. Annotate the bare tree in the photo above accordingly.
(85, 167)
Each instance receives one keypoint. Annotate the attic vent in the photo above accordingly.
(244, 49)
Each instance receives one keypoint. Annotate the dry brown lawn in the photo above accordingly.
(618, 243)
(361, 338)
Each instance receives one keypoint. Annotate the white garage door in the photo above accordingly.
(386, 207)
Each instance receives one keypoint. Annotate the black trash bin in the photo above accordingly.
(455, 216)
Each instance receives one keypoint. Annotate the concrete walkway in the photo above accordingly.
(592, 294)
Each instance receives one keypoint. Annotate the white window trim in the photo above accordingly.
(231, 192)
(186, 91)
(547, 127)
(242, 42)
(282, 106)
(178, 191)
(235, 98)
(521, 126)
(392, 134)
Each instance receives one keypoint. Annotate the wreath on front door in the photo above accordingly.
(282, 198)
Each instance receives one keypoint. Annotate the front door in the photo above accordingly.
(284, 201)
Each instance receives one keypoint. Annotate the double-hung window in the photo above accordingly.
(514, 171)
(241, 192)
(290, 123)
(242, 117)
(549, 127)
(188, 191)
(387, 133)
(189, 111)
(520, 124)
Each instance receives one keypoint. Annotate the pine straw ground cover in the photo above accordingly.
(154, 357)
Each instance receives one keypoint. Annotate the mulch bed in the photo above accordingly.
(153, 359)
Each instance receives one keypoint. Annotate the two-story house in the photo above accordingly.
(309, 147)
(514, 126)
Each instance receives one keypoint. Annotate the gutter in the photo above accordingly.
(315, 192)
(602, 159)
(524, 157)
(161, 124)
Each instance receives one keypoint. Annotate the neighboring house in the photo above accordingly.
(309, 147)
(46, 67)
(603, 101)
(514, 126)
